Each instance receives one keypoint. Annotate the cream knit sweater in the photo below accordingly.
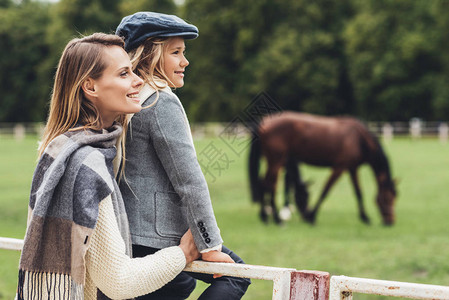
(113, 272)
(119, 276)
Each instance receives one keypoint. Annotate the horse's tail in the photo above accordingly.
(254, 167)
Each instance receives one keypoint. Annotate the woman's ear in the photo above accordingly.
(88, 87)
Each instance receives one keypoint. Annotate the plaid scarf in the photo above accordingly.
(71, 178)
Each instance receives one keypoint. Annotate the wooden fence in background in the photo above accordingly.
(415, 129)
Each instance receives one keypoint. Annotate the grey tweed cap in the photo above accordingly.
(136, 28)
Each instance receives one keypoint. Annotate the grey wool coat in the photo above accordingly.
(164, 189)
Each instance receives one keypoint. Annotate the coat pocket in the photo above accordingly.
(170, 220)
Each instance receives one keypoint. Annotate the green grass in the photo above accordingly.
(414, 250)
(17, 161)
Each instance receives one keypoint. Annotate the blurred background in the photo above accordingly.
(385, 62)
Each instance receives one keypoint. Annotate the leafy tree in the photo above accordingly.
(72, 18)
(162, 6)
(208, 93)
(290, 49)
(22, 44)
(5, 3)
(440, 14)
(377, 59)
(302, 63)
(394, 65)
(33, 35)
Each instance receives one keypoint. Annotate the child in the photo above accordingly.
(164, 190)
(77, 242)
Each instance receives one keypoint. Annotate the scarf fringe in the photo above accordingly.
(45, 285)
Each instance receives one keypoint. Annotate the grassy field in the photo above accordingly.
(416, 249)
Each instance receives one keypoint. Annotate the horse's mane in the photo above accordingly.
(373, 150)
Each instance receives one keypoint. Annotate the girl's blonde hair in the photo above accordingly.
(148, 62)
(81, 59)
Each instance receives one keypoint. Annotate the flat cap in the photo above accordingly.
(136, 28)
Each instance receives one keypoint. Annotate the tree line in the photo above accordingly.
(380, 60)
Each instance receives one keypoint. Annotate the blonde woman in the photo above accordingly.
(165, 192)
(77, 243)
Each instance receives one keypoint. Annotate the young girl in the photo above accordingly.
(164, 190)
(77, 241)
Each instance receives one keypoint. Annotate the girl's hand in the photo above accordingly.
(217, 256)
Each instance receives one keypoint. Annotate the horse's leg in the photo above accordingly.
(358, 193)
(263, 212)
(270, 183)
(289, 180)
(276, 216)
(310, 217)
(301, 193)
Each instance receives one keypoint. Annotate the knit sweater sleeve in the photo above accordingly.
(119, 276)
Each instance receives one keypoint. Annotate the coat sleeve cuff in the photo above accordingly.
(216, 248)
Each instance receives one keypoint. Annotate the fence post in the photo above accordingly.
(336, 292)
(281, 286)
(40, 127)
(415, 128)
(443, 132)
(387, 132)
(19, 132)
(310, 285)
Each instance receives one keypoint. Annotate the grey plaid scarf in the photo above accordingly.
(71, 178)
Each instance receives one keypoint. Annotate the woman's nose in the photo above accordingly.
(137, 80)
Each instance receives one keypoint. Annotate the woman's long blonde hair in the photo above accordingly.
(81, 59)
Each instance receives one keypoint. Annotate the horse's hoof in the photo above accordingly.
(365, 220)
(278, 221)
(311, 222)
(309, 217)
(264, 218)
(388, 224)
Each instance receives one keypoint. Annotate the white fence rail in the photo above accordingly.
(287, 283)
(11, 244)
(281, 277)
(342, 288)
(304, 285)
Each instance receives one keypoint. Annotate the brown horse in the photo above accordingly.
(341, 143)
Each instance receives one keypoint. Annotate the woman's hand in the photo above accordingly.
(216, 256)
(188, 246)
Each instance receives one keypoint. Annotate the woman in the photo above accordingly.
(77, 241)
(164, 190)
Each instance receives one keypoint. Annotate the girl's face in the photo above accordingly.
(117, 90)
(175, 61)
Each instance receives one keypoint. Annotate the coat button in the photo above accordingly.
(200, 224)
(207, 240)
(203, 229)
(205, 234)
